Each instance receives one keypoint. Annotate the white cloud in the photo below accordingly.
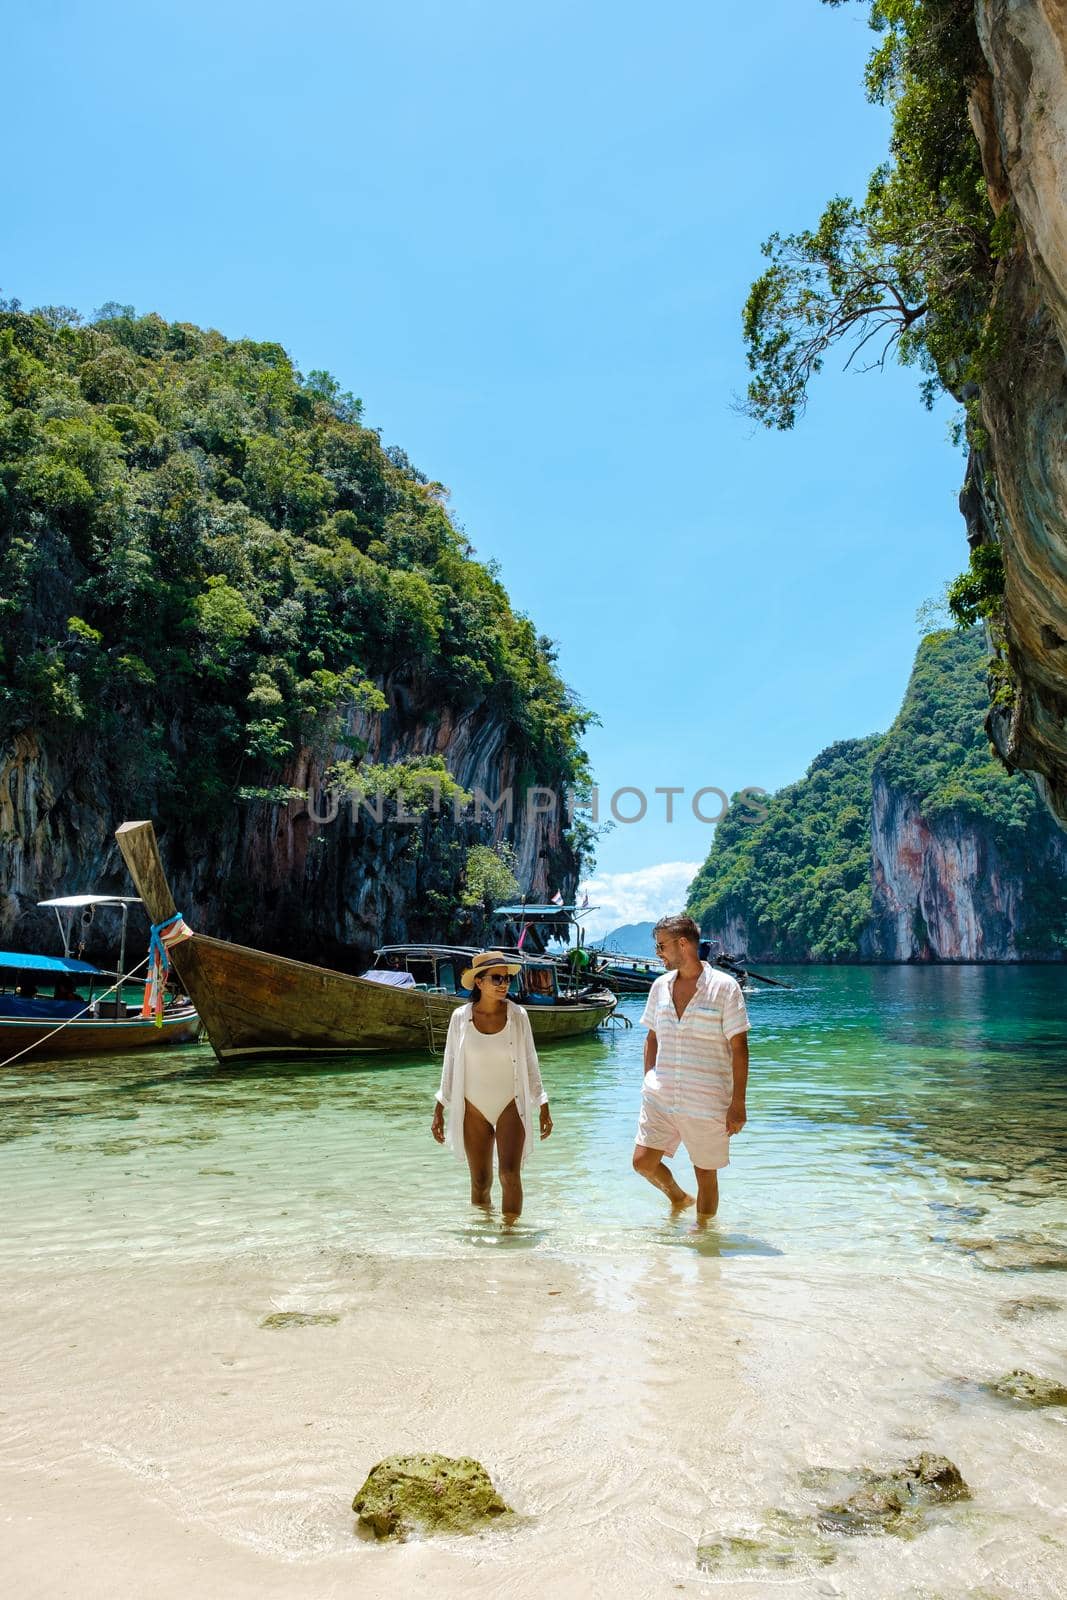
(640, 896)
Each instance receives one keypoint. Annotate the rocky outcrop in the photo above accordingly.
(1017, 489)
(311, 876)
(943, 891)
(425, 1494)
(914, 845)
(893, 1500)
(1029, 1390)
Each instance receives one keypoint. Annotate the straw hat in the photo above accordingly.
(483, 962)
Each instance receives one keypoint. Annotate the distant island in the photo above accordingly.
(913, 845)
(632, 939)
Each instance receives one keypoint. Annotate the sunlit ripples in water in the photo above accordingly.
(885, 1103)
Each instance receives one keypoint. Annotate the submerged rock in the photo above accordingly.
(1028, 1389)
(787, 1542)
(894, 1502)
(299, 1319)
(1015, 1253)
(1033, 1306)
(957, 1213)
(427, 1494)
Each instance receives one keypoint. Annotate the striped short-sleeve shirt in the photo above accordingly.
(693, 1075)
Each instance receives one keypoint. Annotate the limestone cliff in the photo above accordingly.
(944, 890)
(313, 877)
(1017, 485)
(915, 845)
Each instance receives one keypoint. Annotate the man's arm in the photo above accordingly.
(736, 1115)
(650, 1050)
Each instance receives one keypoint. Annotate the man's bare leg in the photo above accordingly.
(510, 1138)
(650, 1164)
(478, 1144)
(707, 1193)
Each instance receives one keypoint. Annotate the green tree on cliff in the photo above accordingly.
(207, 561)
(908, 271)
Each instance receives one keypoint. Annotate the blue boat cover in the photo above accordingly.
(14, 1009)
(396, 980)
(11, 958)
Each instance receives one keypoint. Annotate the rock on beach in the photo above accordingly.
(1028, 1389)
(403, 1495)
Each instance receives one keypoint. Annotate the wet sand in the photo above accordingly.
(159, 1441)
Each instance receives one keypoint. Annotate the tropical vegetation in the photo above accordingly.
(909, 270)
(208, 561)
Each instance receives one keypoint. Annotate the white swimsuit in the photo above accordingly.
(489, 1071)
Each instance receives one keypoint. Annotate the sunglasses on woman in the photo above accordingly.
(498, 977)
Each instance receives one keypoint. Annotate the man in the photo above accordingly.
(696, 1067)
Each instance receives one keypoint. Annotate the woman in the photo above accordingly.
(490, 1082)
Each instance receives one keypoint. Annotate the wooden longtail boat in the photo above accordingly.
(254, 1003)
(72, 1021)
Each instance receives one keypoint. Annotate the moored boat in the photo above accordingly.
(44, 1011)
(254, 1003)
(626, 974)
(557, 1007)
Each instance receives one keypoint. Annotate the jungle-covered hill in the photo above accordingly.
(914, 844)
(221, 595)
(205, 553)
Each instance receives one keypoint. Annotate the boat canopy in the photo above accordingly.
(11, 958)
(75, 902)
(538, 911)
(455, 952)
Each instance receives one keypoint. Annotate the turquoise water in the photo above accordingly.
(891, 1109)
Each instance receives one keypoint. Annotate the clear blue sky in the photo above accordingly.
(524, 235)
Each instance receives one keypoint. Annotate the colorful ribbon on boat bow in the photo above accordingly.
(163, 934)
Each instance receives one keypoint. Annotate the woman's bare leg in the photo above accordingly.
(478, 1144)
(510, 1138)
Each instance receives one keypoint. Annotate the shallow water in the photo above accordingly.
(908, 1133)
(890, 1109)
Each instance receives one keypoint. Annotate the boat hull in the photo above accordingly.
(89, 1038)
(625, 983)
(253, 1003)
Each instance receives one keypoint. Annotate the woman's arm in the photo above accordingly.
(533, 1068)
(444, 1093)
(533, 1076)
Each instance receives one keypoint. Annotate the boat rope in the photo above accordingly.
(161, 936)
(79, 1016)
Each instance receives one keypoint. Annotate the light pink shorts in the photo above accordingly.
(705, 1138)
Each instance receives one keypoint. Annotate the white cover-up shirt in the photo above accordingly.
(693, 1075)
(529, 1090)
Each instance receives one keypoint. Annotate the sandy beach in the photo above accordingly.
(178, 1447)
